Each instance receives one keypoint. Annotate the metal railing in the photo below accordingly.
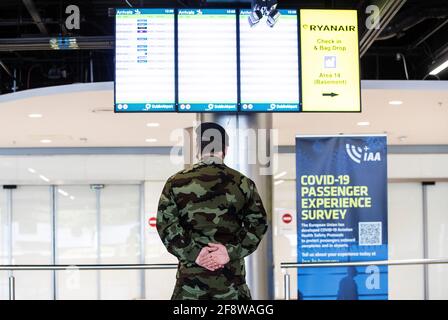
(59, 267)
(162, 266)
(293, 265)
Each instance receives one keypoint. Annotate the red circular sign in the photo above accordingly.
(152, 221)
(286, 218)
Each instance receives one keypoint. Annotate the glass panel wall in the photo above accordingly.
(438, 239)
(89, 226)
(120, 241)
(98, 226)
(3, 243)
(159, 284)
(32, 240)
(405, 240)
(76, 241)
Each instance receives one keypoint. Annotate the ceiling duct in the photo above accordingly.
(388, 9)
(410, 18)
(45, 43)
(29, 4)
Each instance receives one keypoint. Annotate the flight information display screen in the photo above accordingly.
(145, 60)
(269, 62)
(207, 60)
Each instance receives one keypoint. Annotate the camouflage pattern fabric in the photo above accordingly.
(210, 202)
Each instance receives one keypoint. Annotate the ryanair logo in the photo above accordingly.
(324, 27)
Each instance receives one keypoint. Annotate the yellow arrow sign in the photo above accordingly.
(330, 60)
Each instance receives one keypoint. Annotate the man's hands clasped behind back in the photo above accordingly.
(205, 259)
(213, 257)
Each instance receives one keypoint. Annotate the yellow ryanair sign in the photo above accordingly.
(330, 60)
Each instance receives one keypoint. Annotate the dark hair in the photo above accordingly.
(212, 138)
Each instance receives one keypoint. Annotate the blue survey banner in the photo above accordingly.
(342, 216)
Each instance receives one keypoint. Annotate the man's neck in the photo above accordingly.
(213, 158)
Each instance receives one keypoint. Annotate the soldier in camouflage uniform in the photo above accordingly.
(210, 203)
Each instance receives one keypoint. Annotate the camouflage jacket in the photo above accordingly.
(211, 202)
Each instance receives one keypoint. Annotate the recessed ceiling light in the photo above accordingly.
(278, 182)
(31, 170)
(363, 123)
(439, 69)
(102, 110)
(35, 115)
(44, 178)
(281, 174)
(45, 141)
(402, 138)
(152, 124)
(151, 140)
(396, 102)
(64, 193)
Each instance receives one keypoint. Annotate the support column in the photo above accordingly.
(249, 157)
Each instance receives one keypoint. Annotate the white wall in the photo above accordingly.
(3, 245)
(438, 239)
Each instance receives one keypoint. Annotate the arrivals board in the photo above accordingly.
(269, 64)
(207, 60)
(212, 60)
(144, 60)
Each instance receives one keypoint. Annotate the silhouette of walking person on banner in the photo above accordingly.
(348, 289)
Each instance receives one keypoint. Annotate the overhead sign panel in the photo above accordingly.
(269, 63)
(330, 60)
(207, 60)
(145, 60)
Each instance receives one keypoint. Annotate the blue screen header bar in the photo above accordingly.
(198, 12)
(138, 11)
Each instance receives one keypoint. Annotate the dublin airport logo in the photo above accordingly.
(358, 154)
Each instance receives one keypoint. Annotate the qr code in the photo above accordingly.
(370, 234)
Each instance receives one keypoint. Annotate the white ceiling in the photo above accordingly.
(68, 117)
